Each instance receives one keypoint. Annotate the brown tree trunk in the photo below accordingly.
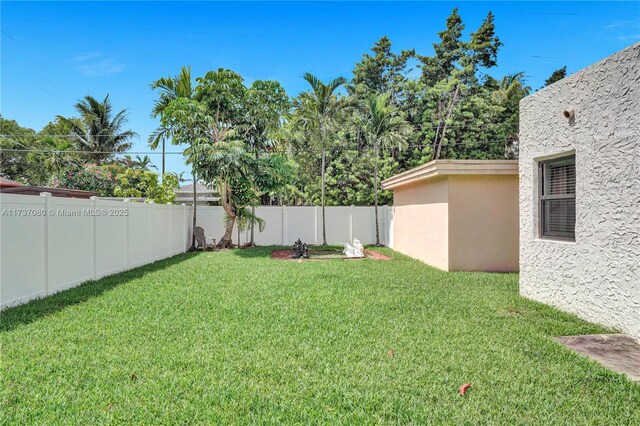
(193, 227)
(454, 99)
(226, 240)
(252, 243)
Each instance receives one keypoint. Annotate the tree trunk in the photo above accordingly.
(163, 154)
(375, 192)
(193, 228)
(252, 243)
(226, 240)
(454, 99)
(324, 228)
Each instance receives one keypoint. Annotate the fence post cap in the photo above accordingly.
(45, 194)
(93, 197)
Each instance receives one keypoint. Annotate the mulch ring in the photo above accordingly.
(286, 255)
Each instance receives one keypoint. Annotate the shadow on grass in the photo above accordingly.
(11, 318)
(257, 252)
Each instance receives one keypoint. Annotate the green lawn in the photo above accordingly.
(235, 337)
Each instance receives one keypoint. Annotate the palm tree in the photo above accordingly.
(96, 132)
(143, 163)
(60, 154)
(140, 163)
(381, 125)
(245, 219)
(170, 88)
(317, 112)
(514, 85)
(511, 90)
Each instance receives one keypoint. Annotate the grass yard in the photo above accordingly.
(235, 337)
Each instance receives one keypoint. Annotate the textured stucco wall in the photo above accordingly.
(483, 223)
(598, 276)
(421, 221)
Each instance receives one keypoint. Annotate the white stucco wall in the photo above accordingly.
(598, 276)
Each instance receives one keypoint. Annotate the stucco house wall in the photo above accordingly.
(483, 223)
(596, 277)
(421, 221)
(458, 215)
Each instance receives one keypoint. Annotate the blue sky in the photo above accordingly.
(55, 53)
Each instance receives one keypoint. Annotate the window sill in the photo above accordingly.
(553, 240)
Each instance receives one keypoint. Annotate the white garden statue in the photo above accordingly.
(354, 250)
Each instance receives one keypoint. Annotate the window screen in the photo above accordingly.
(558, 198)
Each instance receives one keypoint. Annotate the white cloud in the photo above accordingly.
(623, 24)
(628, 37)
(96, 64)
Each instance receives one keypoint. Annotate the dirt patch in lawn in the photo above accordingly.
(327, 255)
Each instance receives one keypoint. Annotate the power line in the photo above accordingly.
(418, 127)
(290, 151)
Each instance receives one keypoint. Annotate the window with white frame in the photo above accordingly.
(557, 193)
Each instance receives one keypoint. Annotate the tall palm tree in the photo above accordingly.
(317, 112)
(382, 125)
(169, 88)
(98, 131)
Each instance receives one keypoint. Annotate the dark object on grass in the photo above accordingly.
(297, 249)
(305, 251)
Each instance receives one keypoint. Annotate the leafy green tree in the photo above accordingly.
(317, 113)
(557, 75)
(381, 72)
(226, 163)
(16, 160)
(382, 125)
(98, 132)
(451, 75)
(265, 104)
(136, 183)
(215, 152)
(91, 177)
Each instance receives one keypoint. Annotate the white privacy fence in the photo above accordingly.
(49, 244)
(284, 225)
